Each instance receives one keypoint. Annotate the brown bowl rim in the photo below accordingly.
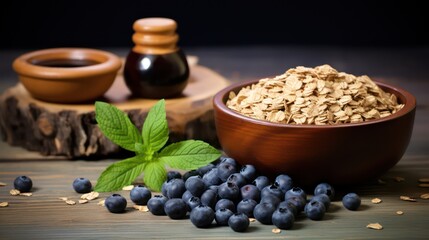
(219, 101)
(24, 67)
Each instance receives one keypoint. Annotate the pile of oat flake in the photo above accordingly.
(319, 96)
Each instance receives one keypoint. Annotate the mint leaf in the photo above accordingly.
(116, 125)
(189, 154)
(120, 174)
(155, 128)
(154, 175)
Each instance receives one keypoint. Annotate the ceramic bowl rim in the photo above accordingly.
(219, 101)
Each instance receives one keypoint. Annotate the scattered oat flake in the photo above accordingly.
(90, 196)
(399, 212)
(70, 202)
(424, 185)
(101, 203)
(399, 179)
(128, 188)
(376, 200)
(252, 219)
(27, 194)
(14, 192)
(376, 226)
(83, 201)
(63, 198)
(276, 230)
(141, 208)
(424, 196)
(406, 198)
(4, 204)
(2, 184)
(424, 180)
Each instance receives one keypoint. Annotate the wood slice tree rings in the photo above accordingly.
(70, 129)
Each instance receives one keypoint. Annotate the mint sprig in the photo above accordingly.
(151, 155)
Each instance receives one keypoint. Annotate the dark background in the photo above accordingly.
(43, 24)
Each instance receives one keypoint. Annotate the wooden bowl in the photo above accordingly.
(338, 154)
(67, 75)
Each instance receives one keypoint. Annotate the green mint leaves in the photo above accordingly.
(151, 155)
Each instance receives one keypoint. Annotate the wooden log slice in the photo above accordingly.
(70, 129)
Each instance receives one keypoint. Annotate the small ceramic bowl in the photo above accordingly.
(338, 154)
(67, 75)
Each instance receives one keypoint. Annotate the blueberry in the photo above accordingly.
(115, 203)
(263, 212)
(296, 191)
(156, 204)
(193, 202)
(238, 179)
(283, 218)
(140, 195)
(211, 178)
(290, 206)
(209, 198)
(175, 208)
(186, 196)
(82, 185)
(203, 170)
(175, 188)
(249, 172)
(246, 206)
(284, 182)
(202, 216)
(165, 186)
(189, 174)
(323, 198)
(326, 189)
(222, 216)
(261, 182)
(271, 199)
(228, 160)
(195, 185)
(238, 222)
(23, 184)
(298, 202)
(224, 170)
(315, 210)
(229, 190)
(272, 190)
(214, 188)
(225, 203)
(173, 174)
(250, 192)
(351, 201)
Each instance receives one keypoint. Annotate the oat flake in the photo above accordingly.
(400, 212)
(63, 198)
(14, 192)
(376, 200)
(70, 202)
(101, 203)
(406, 198)
(90, 196)
(424, 185)
(2, 184)
(276, 230)
(27, 194)
(83, 201)
(4, 204)
(252, 219)
(399, 179)
(424, 196)
(141, 208)
(424, 180)
(128, 188)
(376, 226)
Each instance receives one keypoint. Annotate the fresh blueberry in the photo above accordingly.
(263, 212)
(165, 186)
(246, 206)
(296, 191)
(323, 198)
(189, 174)
(225, 203)
(222, 216)
(228, 160)
(203, 170)
(250, 192)
(156, 204)
(175, 188)
(272, 190)
(115, 203)
(315, 210)
(186, 196)
(229, 190)
(211, 178)
(202, 216)
(224, 170)
(261, 182)
(195, 185)
(269, 198)
(284, 182)
(238, 179)
(239, 222)
(193, 202)
(290, 206)
(249, 172)
(283, 218)
(298, 202)
(214, 188)
(209, 198)
(326, 189)
(175, 208)
(140, 195)
(82, 185)
(351, 201)
(173, 174)
(23, 184)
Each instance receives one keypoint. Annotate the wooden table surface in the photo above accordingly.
(44, 216)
